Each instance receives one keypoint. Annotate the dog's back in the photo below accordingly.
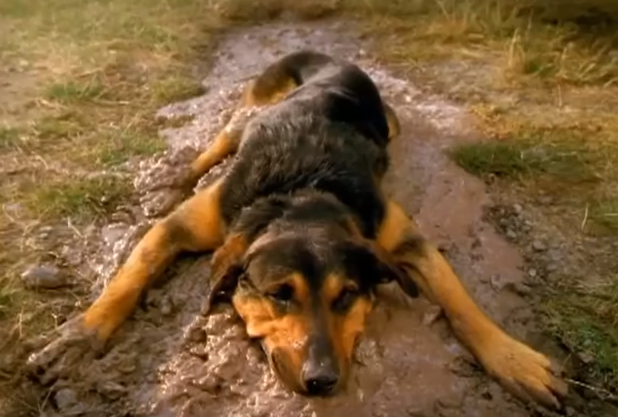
(338, 90)
(329, 134)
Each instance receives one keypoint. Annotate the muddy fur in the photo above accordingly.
(170, 360)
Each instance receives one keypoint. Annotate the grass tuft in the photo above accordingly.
(72, 92)
(9, 137)
(514, 159)
(80, 198)
(173, 89)
(586, 321)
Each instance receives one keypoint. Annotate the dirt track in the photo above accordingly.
(170, 361)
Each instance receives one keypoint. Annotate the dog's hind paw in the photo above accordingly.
(73, 344)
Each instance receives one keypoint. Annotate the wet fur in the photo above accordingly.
(305, 185)
(303, 236)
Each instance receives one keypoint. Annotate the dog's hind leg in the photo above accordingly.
(394, 127)
(272, 86)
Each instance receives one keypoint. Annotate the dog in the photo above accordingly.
(302, 235)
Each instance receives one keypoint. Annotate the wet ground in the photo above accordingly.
(169, 361)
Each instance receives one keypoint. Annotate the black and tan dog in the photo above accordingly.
(303, 234)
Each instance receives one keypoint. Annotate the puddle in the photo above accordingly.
(169, 361)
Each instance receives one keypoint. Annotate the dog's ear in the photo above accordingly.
(377, 266)
(227, 266)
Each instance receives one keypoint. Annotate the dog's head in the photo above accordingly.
(305, 294)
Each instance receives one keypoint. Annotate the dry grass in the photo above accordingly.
(83, 81)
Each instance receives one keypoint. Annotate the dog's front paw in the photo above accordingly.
(73, 344)
(526, 373)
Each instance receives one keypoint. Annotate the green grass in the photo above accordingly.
(516, 159)
(176, 89)
(605, 212)
(80, 197)
(96, 72)
(71, 92)
(117, 149)
(586, 320)
(5, 303)
(9, 137)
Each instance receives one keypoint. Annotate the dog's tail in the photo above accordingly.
(284, 75)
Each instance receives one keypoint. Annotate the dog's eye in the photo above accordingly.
(345, 299)
(283, 293)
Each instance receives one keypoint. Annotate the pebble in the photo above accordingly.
(522, 289)
(196, 335)
(112, 390)
(551, 267)
(43, 276)
(532, 272)
(496, 282)
(546, 199)
(539, 246)
(166, 307)
(65, 399)
(518, 208)
(585, 358)
(199, 352)
(432, 314)
(511, 234)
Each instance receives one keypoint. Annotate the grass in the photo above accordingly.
(86, 79)
(517, 159)
(81, 197)
(92, 74)
(593, 332)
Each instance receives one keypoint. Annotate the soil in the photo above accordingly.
(168, 360)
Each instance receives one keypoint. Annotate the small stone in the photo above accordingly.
(65, 399)
(570, 412)
(127, 368)
(522, 289)
(496, 282)
(431, 315)
(43, 276)
(517, 208)
(166, 308)
(546, 200)
(518, 288)
(532, 272)
(539, 246)
(112, 390)
(44, 232)
(196, 335)
(511, 234)
(199, 352)
(551, 267)
(586, 358)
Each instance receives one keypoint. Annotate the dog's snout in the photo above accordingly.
(320, 378)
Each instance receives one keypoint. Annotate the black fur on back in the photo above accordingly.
(326, 139)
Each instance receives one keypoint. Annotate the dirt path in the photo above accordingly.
(169, 361)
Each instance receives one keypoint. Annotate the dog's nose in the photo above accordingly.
(320, 378)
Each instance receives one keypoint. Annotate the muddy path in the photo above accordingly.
(169, 361)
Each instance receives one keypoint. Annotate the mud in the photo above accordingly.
(170, 361)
